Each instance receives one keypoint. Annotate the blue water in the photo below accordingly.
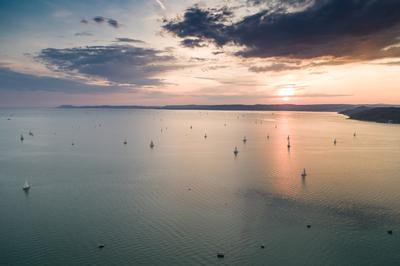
(190, 197)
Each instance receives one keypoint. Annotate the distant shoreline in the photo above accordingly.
(389, 115)
(228, 107)
(379, 113)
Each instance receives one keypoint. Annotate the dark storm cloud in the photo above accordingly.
(16, 81)
(122, 64)
(130, 40)
(353, 29)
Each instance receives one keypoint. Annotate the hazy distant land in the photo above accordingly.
(232, 107)
(374, 112)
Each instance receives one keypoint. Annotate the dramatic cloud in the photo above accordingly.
(111, 22)
(121, 64)
(202, 25)
(21, 82)
(353, 29)
(130, 40)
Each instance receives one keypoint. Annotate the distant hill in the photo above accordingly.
(233, 107)
(375, 114)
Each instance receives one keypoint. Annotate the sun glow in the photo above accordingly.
(286, 93)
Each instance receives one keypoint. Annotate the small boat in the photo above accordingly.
(220, 255)
(268, 136)
(354, 134)
(235, 151)
(151, 144)
(288, 144)
(244, 139)
(26, 186)
(30, 133)
(205, 135)
(125, 142)
(288, 137)
(191, 127)
(21, 137)
(334, 142)
(304, 174)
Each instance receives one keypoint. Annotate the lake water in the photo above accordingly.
(190, 197)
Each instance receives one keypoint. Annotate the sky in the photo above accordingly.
(160, 52)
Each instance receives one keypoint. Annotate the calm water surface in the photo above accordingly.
(189, 197)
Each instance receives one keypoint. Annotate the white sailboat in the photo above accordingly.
(26, 186)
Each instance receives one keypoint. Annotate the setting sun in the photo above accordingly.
(286, 93)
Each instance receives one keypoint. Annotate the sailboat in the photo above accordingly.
(151, 144)
(235, 151)
(205, 135)
(26, 186)
(304, 174)
(334, 141)
(22, 137)
(244, 139)
(125, 141)
(30, 133)
(288, 144)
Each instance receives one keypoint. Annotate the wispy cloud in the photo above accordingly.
(129, 40)
(15, 81)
